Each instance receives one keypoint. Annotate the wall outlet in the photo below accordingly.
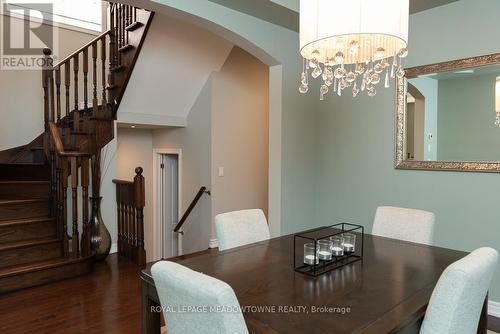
(221, 171)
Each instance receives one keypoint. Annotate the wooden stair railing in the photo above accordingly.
(81, 96)
(130, 199)
(203, 190)
(63, 164)
(45, 233)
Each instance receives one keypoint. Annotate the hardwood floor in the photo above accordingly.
(106, 301)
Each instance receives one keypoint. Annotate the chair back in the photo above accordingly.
(457, 300)
(404, 224)
(240, 228)
(196, 303)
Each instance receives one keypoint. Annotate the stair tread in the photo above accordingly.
(133, 26)
(24, 182)
(118, 68)
(27, 243)
(22, 221)
(22, 201)
(34, 164)
(39, 265)
(126, 47)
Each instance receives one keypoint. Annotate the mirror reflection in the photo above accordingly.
(454, 115)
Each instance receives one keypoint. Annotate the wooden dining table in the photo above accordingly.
(385, 292)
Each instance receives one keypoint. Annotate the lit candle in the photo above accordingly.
(309, 260)
(325, 255)
(311, 256)
(349, 242)
(325, 250)
(338, 251)
(348, 248)
(337, 245)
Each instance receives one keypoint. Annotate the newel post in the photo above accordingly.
(139, 202)
(48, 96)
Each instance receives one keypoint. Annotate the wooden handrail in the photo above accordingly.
(115, 181)
(190, 208)
(86, 46)
(58, 145)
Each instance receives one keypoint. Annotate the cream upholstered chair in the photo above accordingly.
(180, 289)
(457, 300)
(240, 228)
(404, 224)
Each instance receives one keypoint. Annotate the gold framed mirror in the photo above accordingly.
(448, 116)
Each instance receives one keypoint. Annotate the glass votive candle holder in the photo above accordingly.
(311, 256)
(349, 242)
(325, 250)
(337, 245)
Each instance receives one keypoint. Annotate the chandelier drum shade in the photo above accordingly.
(352, 43)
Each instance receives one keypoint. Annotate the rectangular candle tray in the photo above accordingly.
(310, 262)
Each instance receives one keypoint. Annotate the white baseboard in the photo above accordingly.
(114, 248)
(494, 308)
(213, 243)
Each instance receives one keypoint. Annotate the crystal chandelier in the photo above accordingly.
(352, 44)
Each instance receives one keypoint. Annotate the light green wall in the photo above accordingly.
(356, 171)
(274, 45)
(466, 119)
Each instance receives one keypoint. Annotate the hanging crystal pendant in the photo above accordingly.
(350, 77)
(316, 72)
(387, 84)
(303, 88)
(394, 66)
(371, 91)
(355, 90)
(341, 72)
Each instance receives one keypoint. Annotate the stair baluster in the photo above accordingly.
(64, 213)
(67, 83)
(85, 81)
(76, 112)
(95, 103)
(74, 193)
(58, 92)
(85, 242)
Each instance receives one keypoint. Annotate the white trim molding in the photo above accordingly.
(157, 152)
(114, 248)
(494, 308)
(213, 243)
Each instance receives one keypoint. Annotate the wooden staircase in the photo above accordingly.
(44, 235)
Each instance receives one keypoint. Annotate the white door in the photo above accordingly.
(169, 197)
